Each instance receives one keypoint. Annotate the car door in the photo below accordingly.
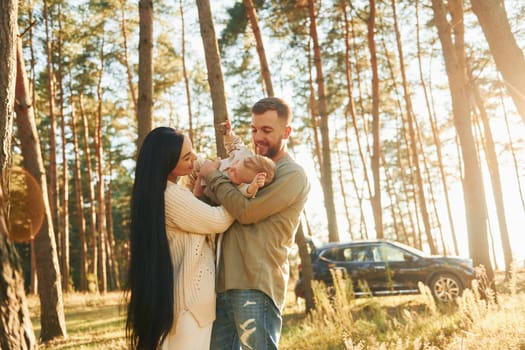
(356, 262)
(402, 272)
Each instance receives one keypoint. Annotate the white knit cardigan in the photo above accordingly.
(189, 222)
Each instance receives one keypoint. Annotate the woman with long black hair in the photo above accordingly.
(171, 282)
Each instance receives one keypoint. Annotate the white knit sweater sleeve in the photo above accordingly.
(189, 214)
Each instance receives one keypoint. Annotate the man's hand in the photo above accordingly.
(208, 166)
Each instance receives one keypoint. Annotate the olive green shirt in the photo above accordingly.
(256, 247)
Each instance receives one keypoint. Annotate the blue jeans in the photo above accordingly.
(246, 319)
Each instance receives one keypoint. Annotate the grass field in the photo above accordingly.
(388, 323)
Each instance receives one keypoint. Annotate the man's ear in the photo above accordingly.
(287, 132)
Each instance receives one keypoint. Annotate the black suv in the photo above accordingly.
(383, 267)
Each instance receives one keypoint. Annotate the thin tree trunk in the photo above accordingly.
(508, 56)
(342, 185)
(64, 207)
(185, 74)
(129, 73)
(376, 155)
(91, 198)
(49, 286)
(393, 200)
(414, 228)
(112, 260)
(412, 137)
(430, 188)
(79, 202)
(513, 152)
(145, 98)
(435, 135)
(314, 111)
(473, 190)
(307, 270)
(363, 228)
(495, 178)
(215, 77)
(351, 108)
(101, 208)
(33, 285)
(265, 70)
(326, 169)
(53, 183)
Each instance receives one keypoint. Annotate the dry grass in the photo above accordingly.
(385, 323)
(412, 322)
(93, 322)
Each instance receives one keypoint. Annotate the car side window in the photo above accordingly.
(334, 254)
(357, 254)
(391, 254)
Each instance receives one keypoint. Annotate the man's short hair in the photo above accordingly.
(273, 104)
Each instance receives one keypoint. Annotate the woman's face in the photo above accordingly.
(185, 164)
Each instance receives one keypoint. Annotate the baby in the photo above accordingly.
(246, 170)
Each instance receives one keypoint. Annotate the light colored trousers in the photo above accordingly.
(188, 335)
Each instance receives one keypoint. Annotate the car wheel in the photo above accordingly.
(446, 288)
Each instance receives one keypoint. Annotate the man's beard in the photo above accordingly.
(271, 150)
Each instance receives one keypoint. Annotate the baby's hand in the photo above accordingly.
(226, 127)
(259, 179)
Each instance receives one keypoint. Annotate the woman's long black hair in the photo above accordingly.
(150, 279)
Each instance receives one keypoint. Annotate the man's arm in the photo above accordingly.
(289, 186)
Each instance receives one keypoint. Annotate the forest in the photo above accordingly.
(409, 118)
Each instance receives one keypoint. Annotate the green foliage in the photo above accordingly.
(235, 26)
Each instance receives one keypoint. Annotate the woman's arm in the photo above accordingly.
(190, 214)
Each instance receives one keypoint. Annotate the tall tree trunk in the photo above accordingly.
(112, 260)
(412, 137)
(64, 207)
(79, 202)
(363, 228)
(52, 317)
(129, 72)
(513, 152)
(307, 271)
(407, 193)
(314, 111)
(215, 77)
(145, 98)
(101, 207)
(265, 70)
(473, 189)
(435, 135)
(342, 185)
(495, 178)
(351, 108)
(185, 73)
(326, 169)
(393, 200)
(53, 183)
(91, 199)
(16, 330)
(504, 48)
(376, 153)
(33, 282)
